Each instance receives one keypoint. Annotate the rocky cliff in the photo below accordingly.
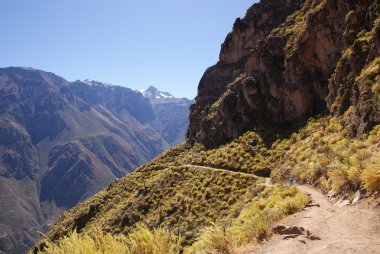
(286, 61)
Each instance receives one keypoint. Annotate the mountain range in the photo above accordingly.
(61, 142)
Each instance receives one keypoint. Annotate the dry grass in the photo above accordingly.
(254, 222)
(214, 239)
(140, 241)
(371, 176)
(180, 198)
(323, 152)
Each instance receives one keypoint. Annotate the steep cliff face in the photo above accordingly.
(354, 85)
(283, 63)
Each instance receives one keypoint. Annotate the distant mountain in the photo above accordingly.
(153, 93)
(172, 114)
(61, 142)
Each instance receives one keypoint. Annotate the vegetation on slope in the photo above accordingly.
(140, 241)
(196, 202)
(322, 153)
(253, 223)
(198, 193)
(181, 198)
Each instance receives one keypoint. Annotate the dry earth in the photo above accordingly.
(325, 227)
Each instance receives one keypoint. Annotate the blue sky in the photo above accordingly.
(166, 43)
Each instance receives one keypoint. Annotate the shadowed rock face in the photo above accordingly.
(282, 64)
(61, 142)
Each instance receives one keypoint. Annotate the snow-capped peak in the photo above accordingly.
(153, 93)
(91, 82)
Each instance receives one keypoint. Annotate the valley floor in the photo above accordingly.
(324, 227)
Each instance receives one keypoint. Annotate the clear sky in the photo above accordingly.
(165, 43)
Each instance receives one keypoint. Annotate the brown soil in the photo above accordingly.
(324, 227)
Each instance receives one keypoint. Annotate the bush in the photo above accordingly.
(339, 178)
(253, 228)
(291, 205)
(214, 239)
(371, 176)
(353, 174)
(159, 241)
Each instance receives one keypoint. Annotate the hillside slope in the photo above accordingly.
(294, 96)
(193, 189)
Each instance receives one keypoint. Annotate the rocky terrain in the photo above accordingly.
(294, 96)
(61, 142)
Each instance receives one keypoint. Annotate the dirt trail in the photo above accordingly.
(322, 227)
(221, 169)
(327, 228)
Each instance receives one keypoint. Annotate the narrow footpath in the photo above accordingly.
(323, 227)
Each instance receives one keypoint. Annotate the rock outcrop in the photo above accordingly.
(283, 63)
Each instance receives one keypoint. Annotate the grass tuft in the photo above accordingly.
(140, 241)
